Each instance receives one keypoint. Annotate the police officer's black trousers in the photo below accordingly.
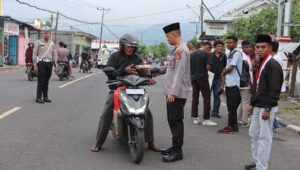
(44, 74)
(107, 118)
(175, 112)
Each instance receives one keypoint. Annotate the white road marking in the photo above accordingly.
(3, 115)
(223, 104)
(71, 82)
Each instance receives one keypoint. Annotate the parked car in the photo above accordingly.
(101, 63)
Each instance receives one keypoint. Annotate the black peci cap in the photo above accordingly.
(263, 39)
(171, 27)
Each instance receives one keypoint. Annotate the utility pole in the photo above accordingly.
(1, 7)
(287, 18)
(201, 18)
(101, 29)
(196, 23)
(279, 20)
(56, 23)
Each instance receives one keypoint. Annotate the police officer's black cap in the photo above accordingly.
(171, 27)
(263, 39)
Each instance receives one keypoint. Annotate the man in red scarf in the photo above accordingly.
(264, 103)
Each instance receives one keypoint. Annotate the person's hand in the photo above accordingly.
(250, 110)
(266, 115)
(221, 91)
(152, 81)
(35, 68)
(130, 71)
(170, 98)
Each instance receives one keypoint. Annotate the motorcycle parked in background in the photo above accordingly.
(31, 71)
(85, 66)
(62, 72)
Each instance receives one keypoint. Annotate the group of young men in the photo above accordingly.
(252, 79)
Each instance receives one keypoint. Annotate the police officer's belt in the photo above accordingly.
(45, 60)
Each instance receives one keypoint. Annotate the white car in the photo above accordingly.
(101, 63)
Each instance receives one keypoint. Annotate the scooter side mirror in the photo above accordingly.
(156, 71)
(110, 72)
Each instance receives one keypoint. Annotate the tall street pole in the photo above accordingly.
(56, 24)
(101, 29)
(201, 18)
(279, 20)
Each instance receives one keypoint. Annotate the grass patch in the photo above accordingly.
(293, 110)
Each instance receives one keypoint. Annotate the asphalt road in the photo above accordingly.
(58, 135)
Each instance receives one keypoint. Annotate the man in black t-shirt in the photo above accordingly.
(200, 64)
(219, 61)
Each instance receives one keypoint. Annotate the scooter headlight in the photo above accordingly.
(131, 109)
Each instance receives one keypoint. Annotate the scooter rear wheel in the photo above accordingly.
(30, 77)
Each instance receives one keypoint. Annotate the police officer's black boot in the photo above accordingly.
(39, 100)
(176, 155)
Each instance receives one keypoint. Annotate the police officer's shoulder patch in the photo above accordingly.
(178, 54)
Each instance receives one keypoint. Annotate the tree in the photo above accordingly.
(163, 48)
(143, 50)
(264, 22)
(195, 43)
(160, 50)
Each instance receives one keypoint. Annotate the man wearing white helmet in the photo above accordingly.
(44, 56)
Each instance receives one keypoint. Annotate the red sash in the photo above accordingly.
(261, 67)
(116, 97)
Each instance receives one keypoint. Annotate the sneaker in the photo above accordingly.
(197, 121)
(229, 129)
(209, 123)
(245, 125)
(250, 166)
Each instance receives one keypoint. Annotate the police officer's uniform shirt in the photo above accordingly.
(177, 80)
(44, 50)
(233, 78)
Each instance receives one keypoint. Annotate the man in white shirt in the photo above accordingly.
(278, 58)
(242, 113)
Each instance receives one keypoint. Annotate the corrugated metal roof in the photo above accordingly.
(289, 48)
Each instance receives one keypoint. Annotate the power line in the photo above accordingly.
(150, 14)
(53, 12)
(218, 4)
(111, 31)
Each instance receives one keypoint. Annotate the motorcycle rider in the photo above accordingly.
(85, 57)
(123, 62)
(62, 55)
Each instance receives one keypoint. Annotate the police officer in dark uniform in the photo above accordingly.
(44, 56)
(123, 62)
(177, 85)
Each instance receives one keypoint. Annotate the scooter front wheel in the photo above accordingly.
(137, 145)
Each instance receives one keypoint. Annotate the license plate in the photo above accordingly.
(135, 91)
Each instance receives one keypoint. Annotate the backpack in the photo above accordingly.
(245, 79)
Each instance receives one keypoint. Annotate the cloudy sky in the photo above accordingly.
(123, 16)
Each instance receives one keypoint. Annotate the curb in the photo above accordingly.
(11, 68)
(289, 126)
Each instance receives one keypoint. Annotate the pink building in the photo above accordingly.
(14, 37)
